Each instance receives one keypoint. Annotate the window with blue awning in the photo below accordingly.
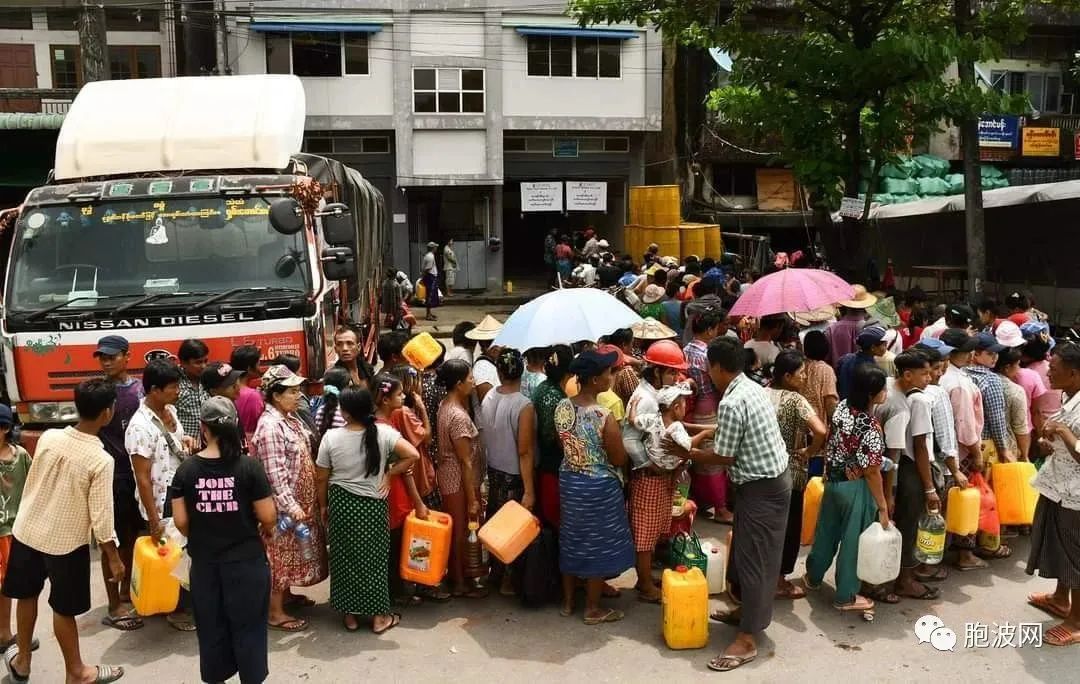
(567, 32)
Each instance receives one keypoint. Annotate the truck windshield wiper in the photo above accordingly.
(42, 313)
(156, 296)
(238, 290)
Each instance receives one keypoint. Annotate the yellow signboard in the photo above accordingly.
(1041, 142)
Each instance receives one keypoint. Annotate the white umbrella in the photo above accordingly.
(565, 317)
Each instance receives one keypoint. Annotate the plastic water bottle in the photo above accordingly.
(303, 538)
(284, 523)
(930, 538)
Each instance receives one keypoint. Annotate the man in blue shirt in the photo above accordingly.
(871, 343)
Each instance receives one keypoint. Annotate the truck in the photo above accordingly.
(183, 208)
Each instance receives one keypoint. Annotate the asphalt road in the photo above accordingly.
(494, 639)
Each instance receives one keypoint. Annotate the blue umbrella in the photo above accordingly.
(564, 317)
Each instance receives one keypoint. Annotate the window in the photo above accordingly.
(317, 54)
(61, 19)
(66, 66)
(319, 145)
(353, 144)
(616, 144)
(16, 19)
(545, 145)
(448, 91)
(550, 56)
(1043, 89)
(581, 57)
(134, 61)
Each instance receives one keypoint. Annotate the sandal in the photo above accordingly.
(434, 594)
(1060, 635)
(124, 623)
(978, 565)
(108, 673)
(181, 624)
(728, 617)
(727, 663)
(938, 575)
(4, 646)
(611, 615)
(644, 598)
(997, 554)
(881, 594)
(345, 622)
(566, 611)
(1044, 602)
(791, 591)
(291, 625)
(14, 675)
(928, 594)
(395, 620)
(855, 606)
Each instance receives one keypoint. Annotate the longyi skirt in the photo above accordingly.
(1055, 543)
(594, 534)
(359, 553)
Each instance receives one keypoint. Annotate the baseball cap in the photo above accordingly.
(1033, 330)
(111, 345)
(592, 363)
(984, 341)
(962, 314)
(7, 419)
(218, 410)
(620, 358)
(280, 375)
(958, 340)
(668, 395)
(219, 374)
(1008, 334)
(938, 345)
(603, 244)
(870, 335)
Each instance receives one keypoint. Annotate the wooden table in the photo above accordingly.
(943, 274)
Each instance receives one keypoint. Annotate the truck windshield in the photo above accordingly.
(129, 248)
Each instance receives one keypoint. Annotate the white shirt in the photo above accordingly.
(894, 415)
(587, 274)
(427, 264)
(766, 351)
(592, 246)
(461, 353)
(934, 330)
(1059, 478)
(921, 422)
(145, 438)
(484, 372)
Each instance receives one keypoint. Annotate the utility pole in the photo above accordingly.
(93, 44)
(220, 43)
(974, 220)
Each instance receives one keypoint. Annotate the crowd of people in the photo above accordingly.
(278, 482)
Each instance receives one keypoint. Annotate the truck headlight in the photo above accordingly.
(53, 412)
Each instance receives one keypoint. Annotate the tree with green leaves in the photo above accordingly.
(845, 86)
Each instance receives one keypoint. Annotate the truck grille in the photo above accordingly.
(60, 381)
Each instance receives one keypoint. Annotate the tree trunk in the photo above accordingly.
(974, 224)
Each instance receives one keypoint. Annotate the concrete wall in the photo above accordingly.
(449, 153)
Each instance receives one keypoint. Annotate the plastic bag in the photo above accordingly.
(989, 536)
(182, 571)
(686, 550)
(899, 186)
(933, 186)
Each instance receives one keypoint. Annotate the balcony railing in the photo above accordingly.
(36, 100)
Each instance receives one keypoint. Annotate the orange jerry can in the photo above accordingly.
(153, 588)
(1016, 497)
(685, 595)
(815, 489)
(962, 511)
(509, 532)
(425, 548)
(422, 351)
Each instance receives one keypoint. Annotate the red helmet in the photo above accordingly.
(666, 353)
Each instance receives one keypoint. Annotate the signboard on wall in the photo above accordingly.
(544, 196)
(1041, 142)
(999, 131)
(586, 196)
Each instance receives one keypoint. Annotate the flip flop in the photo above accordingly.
(981, 565)
(855, 606)
(790, 592)
(181, 624)
(1060, 635)
(108, 673)
(938, 575)
(1043, 603)
(727, 663)
(566, 612)
(34, 643)
(882, 595)
(649, 599)
(930, 594)
(395, 620)
(124, 623)
(728, 617)
(297, 625)
(1001, 552)
(611, 615)
(14, 676)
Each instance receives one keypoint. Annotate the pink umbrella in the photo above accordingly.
(792, 290)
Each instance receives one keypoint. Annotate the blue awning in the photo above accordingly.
(312, 27)
(614, 34)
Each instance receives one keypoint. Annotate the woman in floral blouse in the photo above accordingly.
(854, 497)
(283, 444)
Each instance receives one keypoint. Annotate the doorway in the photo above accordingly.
(464, 214)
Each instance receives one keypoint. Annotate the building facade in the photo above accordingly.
(486, 125)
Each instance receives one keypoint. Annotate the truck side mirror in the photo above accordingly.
(337, 224)
(286, 216)
(338, 263)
